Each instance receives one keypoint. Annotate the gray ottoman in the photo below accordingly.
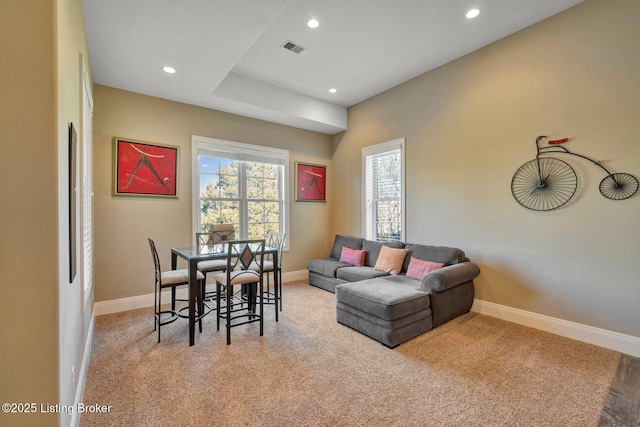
(387, 311)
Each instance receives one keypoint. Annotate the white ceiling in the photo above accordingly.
(229, 56)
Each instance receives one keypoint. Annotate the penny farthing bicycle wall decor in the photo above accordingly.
(546, 183)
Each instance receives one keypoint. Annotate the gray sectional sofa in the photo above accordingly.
(394, 308)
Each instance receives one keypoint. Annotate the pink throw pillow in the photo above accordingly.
(419, 268)
(352, 256)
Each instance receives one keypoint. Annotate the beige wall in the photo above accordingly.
(42, 330)
(28, 322)
(470, 124)
(124, 267)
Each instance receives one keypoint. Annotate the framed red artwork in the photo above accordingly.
(311, 181)
(144, 169)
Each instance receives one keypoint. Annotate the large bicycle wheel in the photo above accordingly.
(544, 184)
(618, 186)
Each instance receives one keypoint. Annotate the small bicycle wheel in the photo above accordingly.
(544, 184)
(618, 186)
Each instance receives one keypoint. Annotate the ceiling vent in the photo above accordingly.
(293, 47)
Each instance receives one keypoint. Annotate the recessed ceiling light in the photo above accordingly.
(473, 13)
(168, 69)
(313, 23)
(333, 90)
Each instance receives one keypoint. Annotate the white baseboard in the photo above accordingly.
(601, 337)
(82, 375)
(143, 301)
(294, 276)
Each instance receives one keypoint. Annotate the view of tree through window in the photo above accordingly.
(383, 196)
(386, 195)
(246, 194)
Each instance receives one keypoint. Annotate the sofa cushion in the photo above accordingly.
(326, 266)
(404, 280)
(443, 254)
(348, 241)
(419, 268)
(355, 274)
(324, 282)
(390, 333)
(383, 323)
(390, 260)
(373, 250)
(383, 299)
(352, 256)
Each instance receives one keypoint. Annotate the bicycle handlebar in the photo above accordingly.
(552, 142)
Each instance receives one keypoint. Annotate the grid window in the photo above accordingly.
(241, 185)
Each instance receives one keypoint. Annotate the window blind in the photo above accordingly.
(243, 154)
(87, 192)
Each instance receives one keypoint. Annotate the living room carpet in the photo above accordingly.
(308, 370)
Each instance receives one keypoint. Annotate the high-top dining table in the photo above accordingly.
(193, 255)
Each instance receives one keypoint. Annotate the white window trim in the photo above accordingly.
(204, 142)
(379, 149)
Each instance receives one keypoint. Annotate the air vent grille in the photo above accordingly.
(295, 48)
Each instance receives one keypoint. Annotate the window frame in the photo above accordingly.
(385, 147)
(199, 143)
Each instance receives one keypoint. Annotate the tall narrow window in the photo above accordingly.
(87, 189)
(383, 195)
(240, 184)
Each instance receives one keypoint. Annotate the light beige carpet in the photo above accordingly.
(308, 370)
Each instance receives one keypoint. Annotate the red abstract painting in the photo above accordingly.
(143, 169)
(311, 181)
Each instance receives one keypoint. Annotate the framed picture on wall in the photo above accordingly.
(144, 169)
(73, 196)
(310, 181)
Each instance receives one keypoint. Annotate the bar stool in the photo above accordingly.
(167, 279)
